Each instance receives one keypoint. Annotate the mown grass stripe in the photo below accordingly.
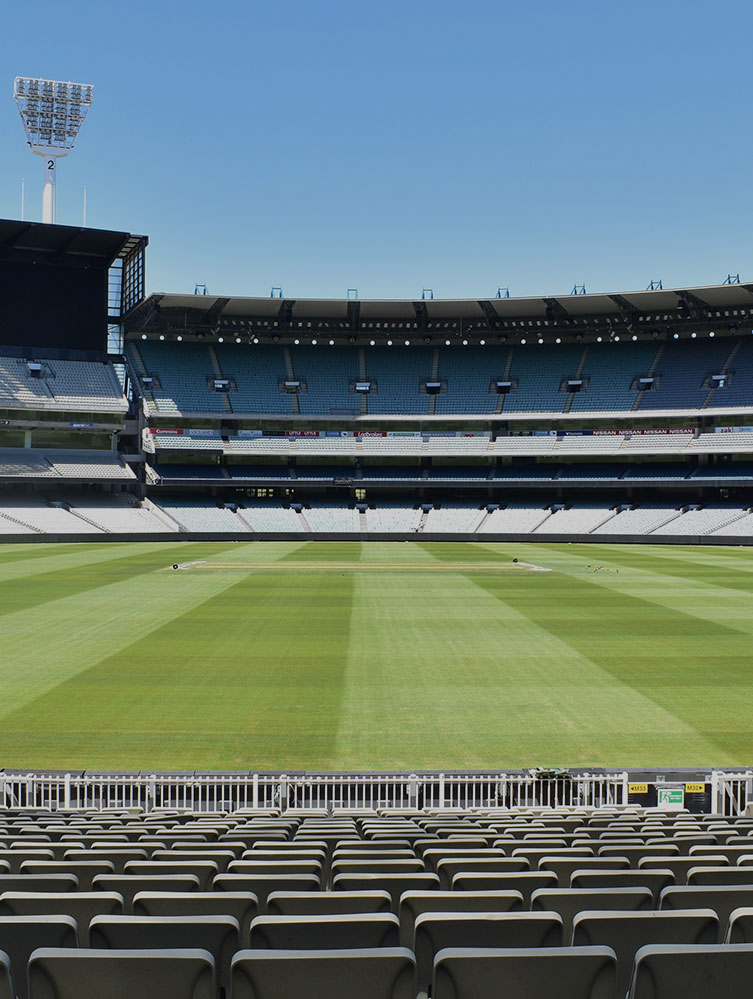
(249, 677)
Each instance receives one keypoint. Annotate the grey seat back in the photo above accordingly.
(436, 931)
(413, 903)
(20, 935)
(242, 906)
(627, 932)
(711, 971)
(323, 903)
(121, 974)
(569, 901)
(379, 973)
(7, 984)
(536, 973)
(325, 932)
(220, 935)
(80, 906)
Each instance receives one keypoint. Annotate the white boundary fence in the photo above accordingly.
(730, 792)
(218, 792)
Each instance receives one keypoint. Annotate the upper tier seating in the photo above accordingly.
(611, 369)
(256, 371)
(181, 373)
(681, 372)
(328, 373)
(398, 373)
(184, 374)
(84, 386)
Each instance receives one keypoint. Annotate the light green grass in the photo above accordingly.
(374, 656)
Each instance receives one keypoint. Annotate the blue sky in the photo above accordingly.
(396, 146)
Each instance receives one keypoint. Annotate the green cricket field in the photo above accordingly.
(374, 656)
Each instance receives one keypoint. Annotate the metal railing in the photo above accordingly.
(309, 792)
(731, 792)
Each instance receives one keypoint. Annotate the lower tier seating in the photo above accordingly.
(576, 902)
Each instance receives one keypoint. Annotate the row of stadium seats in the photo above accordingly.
(38, 463)
(181, 378)
(85, 386)
(122, 513)
(567, 901)
(26, 513)
(625, 445)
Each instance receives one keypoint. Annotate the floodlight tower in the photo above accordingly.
(52, 113)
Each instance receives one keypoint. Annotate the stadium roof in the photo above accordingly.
(22, 240)
(725, 308)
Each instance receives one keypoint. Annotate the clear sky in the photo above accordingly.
(394, 146)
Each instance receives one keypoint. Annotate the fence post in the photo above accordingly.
(67, 791)
(255, 792)
(440, 803)
(413, 791)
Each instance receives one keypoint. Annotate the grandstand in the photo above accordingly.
(621, 416)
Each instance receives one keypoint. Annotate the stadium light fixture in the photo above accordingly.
(52, 113)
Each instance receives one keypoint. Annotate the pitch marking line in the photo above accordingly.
(364, 567)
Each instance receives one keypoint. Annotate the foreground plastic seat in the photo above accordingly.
(569, 901)
(7, 985)
(20, 935)
(384, 973)
(711, 971)
(413, 903)
(220, 935)
(327, 903)
(533, 973)
(121, 974)
(325, 932)
(436, 931)
(740, 926)
(80, 906)
(723, 899)
(627, 932)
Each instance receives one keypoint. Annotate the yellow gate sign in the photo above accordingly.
(637, 788)
(695, 788)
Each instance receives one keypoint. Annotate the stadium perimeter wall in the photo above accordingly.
(549, 539)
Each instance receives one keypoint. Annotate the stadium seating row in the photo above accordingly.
(262, 904)
(123, 513)
(85, 386)
(277, 380)
(34, 463)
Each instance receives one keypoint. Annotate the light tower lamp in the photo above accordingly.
(52, 113)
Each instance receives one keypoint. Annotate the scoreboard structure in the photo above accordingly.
(63, 287)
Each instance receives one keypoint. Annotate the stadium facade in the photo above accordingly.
(617, 417)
